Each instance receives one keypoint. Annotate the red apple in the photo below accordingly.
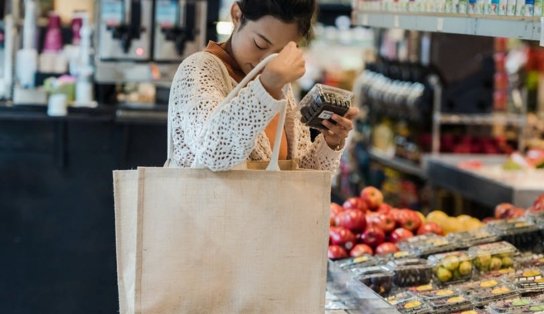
(360, 250)
(335, 210)
(388, 222)
(341, 236)
(400, 234)
(351, 219)
(386, 248)
(538, 204)
(516, 212)
(372, 197)
(384, 208)
(430, 227)
(409, 219)
(395, 213)
(374, 220)
(355, 203)
(502, 211)
(488, 219)
(336, 252)
(373, 236)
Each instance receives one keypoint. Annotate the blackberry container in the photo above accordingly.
(524, 235)
(322, 102)
(410, 272)
(376, 278)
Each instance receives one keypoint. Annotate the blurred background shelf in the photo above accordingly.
(513, 27)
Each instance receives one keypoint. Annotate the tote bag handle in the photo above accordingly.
(273, 164)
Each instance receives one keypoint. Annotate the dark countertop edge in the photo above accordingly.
(102, 113)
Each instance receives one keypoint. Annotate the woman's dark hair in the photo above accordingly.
(288, 11)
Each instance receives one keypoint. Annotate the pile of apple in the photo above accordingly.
(367, 225)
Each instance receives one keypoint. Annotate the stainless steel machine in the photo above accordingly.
(145, 40)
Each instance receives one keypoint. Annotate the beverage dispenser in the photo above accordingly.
(179, 29)
(145, 40)
(124, 30)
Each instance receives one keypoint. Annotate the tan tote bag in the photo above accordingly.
(239, 241)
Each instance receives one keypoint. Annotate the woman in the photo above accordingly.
(244, 128)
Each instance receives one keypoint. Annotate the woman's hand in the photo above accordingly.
(285, 68)
(336, 134)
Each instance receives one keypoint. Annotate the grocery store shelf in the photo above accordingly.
(488, 185)
(396, 163)
(498, 26)
(479, 119)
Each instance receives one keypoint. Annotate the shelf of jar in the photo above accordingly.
(521, 27)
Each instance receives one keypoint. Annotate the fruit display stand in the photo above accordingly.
(487, 183)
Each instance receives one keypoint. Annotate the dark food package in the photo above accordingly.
(524, 235)
(484, 292)
(410, 272)
(413, 306)
(376, 278)
(322, 102)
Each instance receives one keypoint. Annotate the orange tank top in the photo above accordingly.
(237, 74)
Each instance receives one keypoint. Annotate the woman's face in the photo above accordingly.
(255, 40)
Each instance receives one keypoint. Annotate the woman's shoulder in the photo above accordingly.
(201, 58)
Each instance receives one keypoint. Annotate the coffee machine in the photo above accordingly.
(146, 40)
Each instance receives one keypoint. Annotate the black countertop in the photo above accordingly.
(102, 113)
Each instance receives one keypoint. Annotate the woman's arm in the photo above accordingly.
(219, 138)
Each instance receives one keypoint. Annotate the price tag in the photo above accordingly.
(396, 22)
(542, 31)
(439, 24)
(365, 19)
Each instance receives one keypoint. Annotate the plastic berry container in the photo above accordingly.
(452, 267)
(467, 239)
(399, 297)
(530, 260)
(455, 303)
(410, 272)
(321, 102)
(524, 235)
(376, 278)
(357, 262)
(516, 305)
(493, 256)
(414, 305)
(484, 292)
(428, 244)
(530, 280)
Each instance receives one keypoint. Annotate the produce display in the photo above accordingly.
(367, 225)
(495, 268)
(493, 256)
(452, 267)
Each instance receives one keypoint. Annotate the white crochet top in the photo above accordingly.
(204, 136)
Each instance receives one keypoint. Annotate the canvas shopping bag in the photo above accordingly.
(240, 241)
(243, 241)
